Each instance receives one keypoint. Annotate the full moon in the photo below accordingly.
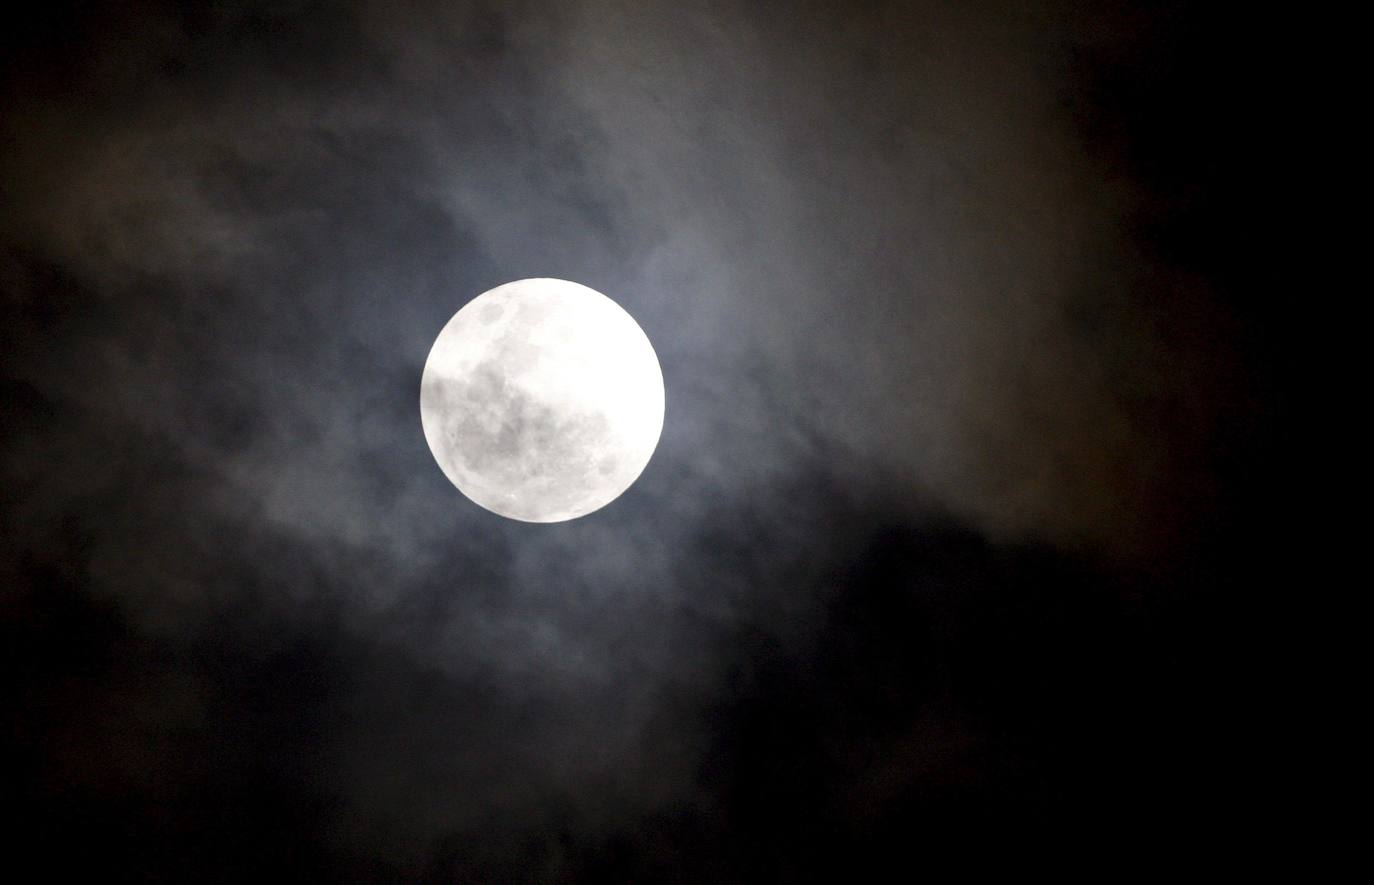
(542, 400)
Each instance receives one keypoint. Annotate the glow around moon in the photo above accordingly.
(542, 400)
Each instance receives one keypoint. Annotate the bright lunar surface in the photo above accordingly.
(542, 400)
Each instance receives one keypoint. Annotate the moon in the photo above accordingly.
(542, 400)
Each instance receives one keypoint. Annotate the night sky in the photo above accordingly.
(949, 549)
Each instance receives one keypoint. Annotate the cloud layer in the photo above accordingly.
(911, 335)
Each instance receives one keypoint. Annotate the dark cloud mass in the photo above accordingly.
(944, 553)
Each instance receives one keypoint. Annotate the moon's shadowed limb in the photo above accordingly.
(511, 446)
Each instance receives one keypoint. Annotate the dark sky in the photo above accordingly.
(946, 552)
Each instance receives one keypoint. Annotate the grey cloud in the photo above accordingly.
(890, 286)
(900, 229)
